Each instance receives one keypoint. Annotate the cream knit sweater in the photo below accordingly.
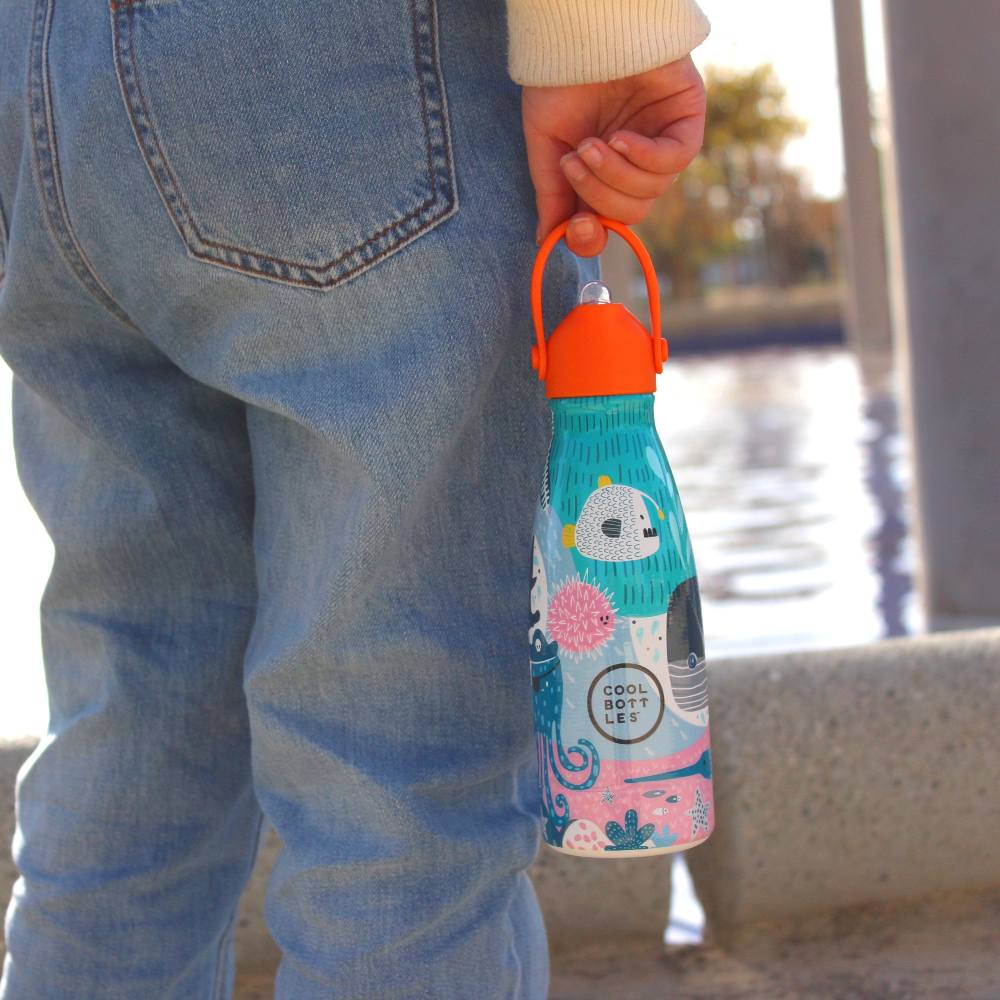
(554, 42)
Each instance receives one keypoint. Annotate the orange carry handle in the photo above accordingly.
(539, 352)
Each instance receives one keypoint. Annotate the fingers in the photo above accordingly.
(658, 119)
(610, 166)
(629, 207)
(555, 198)
(553, 206)
(620, 179)
(585, 236)
(668, 153)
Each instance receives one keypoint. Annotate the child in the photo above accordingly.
(266, 305)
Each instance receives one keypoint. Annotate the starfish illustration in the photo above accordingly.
(698, 813)
(607, 796)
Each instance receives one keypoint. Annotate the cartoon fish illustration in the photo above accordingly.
(663, 810)
(657, 793)
(617, 524)
(689, 686)
(672, 648)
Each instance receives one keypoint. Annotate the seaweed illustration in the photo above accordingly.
(632, 837)
(665, 838)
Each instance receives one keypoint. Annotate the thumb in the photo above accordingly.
(555, 199)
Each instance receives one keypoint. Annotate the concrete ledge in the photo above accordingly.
(844, 779)
(852, 776)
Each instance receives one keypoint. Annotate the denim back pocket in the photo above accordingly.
(299, 142)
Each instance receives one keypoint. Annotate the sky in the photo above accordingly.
(796, 37)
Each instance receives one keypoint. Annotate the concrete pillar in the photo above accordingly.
(944, 77)
(866, 296)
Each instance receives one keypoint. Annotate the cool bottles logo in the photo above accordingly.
(625, 702)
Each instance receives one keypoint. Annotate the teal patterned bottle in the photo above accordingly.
(616, 640)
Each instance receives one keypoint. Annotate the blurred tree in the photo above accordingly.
(746, 113)
(737, 205)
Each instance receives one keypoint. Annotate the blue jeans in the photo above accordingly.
(265, 298)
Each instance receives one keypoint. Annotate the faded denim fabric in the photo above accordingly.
(265, 298)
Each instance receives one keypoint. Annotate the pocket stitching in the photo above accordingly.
(46, 161)
(441, 203)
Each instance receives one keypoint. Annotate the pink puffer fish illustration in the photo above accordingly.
(581, 617)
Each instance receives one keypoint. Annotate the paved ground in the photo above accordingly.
(936, 949)
(880, 954)
(253, 988)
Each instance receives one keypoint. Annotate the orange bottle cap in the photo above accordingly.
(599, 349)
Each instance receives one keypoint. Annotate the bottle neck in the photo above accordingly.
(602, 414)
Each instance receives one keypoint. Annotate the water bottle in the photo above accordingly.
(616, 642)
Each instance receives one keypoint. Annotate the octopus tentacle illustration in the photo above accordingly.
(556, 811)
(554, 757)
(589, 759)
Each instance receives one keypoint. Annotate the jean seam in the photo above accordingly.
(46, 160)
(3, 243)
(440, 204)
(218, 980)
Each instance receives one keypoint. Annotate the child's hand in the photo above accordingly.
(611, 148)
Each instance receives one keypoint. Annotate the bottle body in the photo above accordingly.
(616, 643)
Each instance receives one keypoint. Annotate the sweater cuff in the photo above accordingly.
(560, 42)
